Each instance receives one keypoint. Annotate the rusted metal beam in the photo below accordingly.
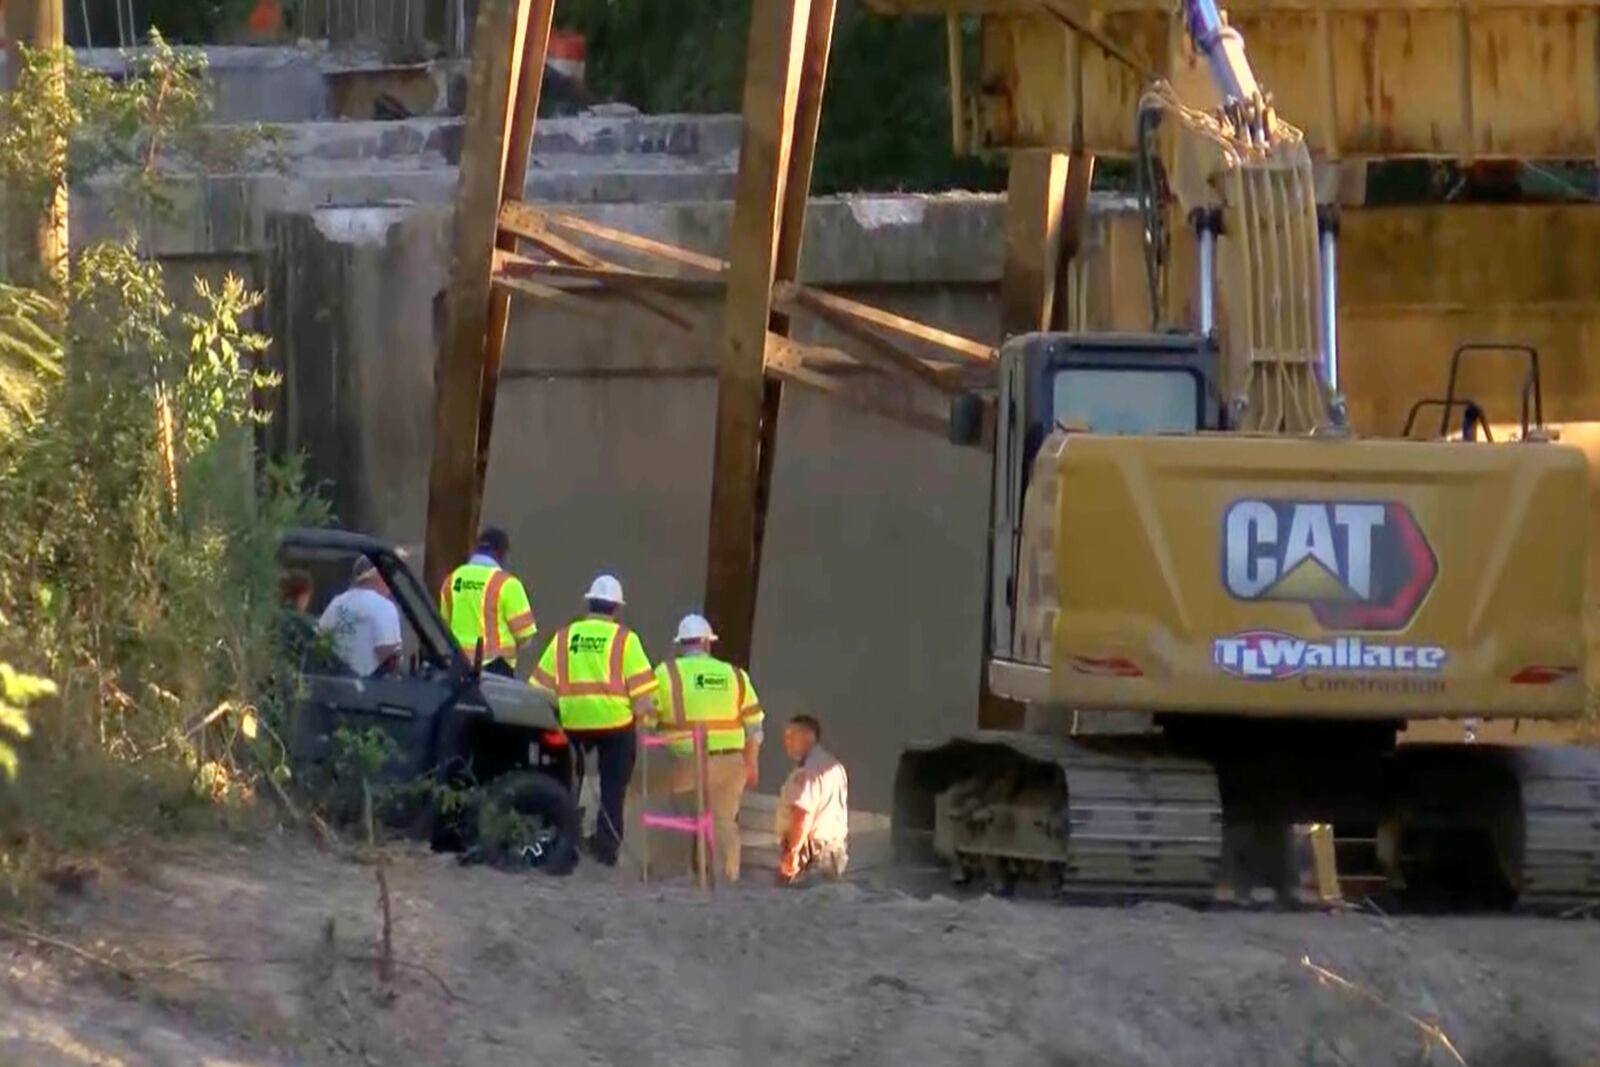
(779, 37)
(527, 78)
(1512, 80)
(455, 491)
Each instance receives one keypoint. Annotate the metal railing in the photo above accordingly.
(400, 29)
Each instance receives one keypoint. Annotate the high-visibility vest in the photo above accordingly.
(597, 669)
(704, 691)
(476, 601)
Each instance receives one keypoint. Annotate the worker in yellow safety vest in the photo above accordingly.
(697, 690)
(603, 683)
(481, 599)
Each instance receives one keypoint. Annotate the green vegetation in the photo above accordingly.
(886, 116)
(138, 532)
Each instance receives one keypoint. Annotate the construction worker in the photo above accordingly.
(603, 684)
(813, 818)
(697, 689)
(482, 600)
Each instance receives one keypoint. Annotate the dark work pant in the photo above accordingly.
(499, 666)
(615, 751)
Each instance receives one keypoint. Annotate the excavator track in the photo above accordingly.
(1117, 819)
(1560, 835)
(1104, 820)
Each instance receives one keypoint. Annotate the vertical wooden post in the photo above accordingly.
(769, 174)
(36, 238)
(1035, 192)
(455, 493)
(791, 237)
(529, 79)
(958, 83)
(1074, 219)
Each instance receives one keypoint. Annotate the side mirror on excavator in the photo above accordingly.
(966, 419)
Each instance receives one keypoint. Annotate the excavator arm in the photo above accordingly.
(1223, 48)
(1243, 178)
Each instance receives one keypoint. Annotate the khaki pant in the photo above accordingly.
(672, 792)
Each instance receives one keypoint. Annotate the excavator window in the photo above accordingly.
(1127, 399)
(1114, 383)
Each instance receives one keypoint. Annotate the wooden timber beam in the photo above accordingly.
(525, 219)
(455, 484)
(621, 279)
(786, 64)
(799, 364)
(527, 78)
(1069, 239)
(791, 235)
(1035, 192)
(789, 294)
(941, 378)
(522, 222)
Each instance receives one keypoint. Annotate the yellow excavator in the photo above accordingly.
(1219, 607)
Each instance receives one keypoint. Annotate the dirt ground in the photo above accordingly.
(248, 956)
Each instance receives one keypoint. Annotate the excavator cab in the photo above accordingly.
(1102, 383)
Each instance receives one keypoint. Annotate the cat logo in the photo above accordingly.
(1358, 565)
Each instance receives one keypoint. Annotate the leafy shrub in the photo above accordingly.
(138, 530)
(17, 691)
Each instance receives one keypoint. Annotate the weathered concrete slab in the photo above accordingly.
(308, 82)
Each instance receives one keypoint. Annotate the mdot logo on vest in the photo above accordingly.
(715, 683)
(1355, 565)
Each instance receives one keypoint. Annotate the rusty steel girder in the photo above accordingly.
(1363, 78)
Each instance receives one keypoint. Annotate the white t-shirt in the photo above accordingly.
(821, 788)
(360, 621)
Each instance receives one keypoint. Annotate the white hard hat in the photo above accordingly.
(695, 628)
(605, 588)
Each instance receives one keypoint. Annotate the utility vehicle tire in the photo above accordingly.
(544, 801)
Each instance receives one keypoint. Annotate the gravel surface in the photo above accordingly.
(264, 955)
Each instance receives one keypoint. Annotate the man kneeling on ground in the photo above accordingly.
(813, 806)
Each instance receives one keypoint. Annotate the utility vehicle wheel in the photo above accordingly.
(529, 820)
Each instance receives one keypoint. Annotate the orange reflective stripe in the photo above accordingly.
(619, 645)
(491, 614)
(587, 689)
(681, 726)
(675, 679)
(543, 678)
(563, 666)
(520, 623)
(448, 596)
